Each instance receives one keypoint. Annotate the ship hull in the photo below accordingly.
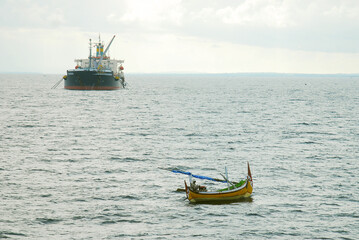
(92, 80)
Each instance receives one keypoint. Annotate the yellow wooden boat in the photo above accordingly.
(237, 191)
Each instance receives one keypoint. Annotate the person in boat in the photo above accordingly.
(197, 188)
(194, 186)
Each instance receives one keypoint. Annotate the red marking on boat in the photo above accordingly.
(91, 88)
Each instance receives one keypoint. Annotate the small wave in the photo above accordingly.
(330, 204)
(192, 135)
(290, 205)
(40, 170)
(126, 159)
(128, 221)
(108, 222)
(254, 214)
(309, 142)
(350, 215)
(314, 157)
(48, 220)
(80, 200)
(342, 232)
(116, 171)
(313, 133)
(218, 214)
(178, 129)
(115, 218)
(129, 197)
(46, 195)
(310, 175)
(79, 217)
(27, 126)
(98, 198)
(144, 134)
(132, 236)
(6, 234)
(297, 100)
(285, 234)
(297, 211)
(52, 150)
(209, 169)
(307, 124)
(335, 157)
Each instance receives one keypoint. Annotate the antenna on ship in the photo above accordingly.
(99, 47)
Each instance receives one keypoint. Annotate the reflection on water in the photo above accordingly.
(241, 200)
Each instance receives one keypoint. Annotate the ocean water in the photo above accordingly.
(89, 164)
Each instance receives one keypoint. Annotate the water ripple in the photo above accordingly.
(96, 165)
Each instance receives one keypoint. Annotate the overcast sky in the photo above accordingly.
(211, 36)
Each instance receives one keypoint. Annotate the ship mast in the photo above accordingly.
(90, 57)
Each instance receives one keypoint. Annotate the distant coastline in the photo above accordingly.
(244, 74)
(259, 74)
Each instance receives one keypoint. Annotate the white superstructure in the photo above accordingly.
(101, 61)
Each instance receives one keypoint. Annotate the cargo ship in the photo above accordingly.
(96, 72)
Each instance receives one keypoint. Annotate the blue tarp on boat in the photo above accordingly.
(198, 176)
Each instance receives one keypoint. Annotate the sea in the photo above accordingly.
(96, 164)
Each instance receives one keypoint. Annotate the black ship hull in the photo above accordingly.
(92, 80)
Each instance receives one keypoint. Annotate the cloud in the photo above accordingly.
(180, 34)
(327, 26)
(31, 13)
(152, 11)
(149, 15)
(324, 26)
(256, 13)
(170, 53)
(347, 10)
(41, 50)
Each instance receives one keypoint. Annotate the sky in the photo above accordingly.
(183, 36)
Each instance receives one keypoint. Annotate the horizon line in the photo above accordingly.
(207, 73)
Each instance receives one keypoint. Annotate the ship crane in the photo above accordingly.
(104, 53)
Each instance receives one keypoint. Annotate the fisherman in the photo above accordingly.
(194, 186)
(197, 188)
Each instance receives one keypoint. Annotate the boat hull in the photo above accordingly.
(92, 80)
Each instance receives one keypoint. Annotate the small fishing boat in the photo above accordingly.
(234, 191)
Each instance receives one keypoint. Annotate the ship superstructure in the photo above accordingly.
(97, 72)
